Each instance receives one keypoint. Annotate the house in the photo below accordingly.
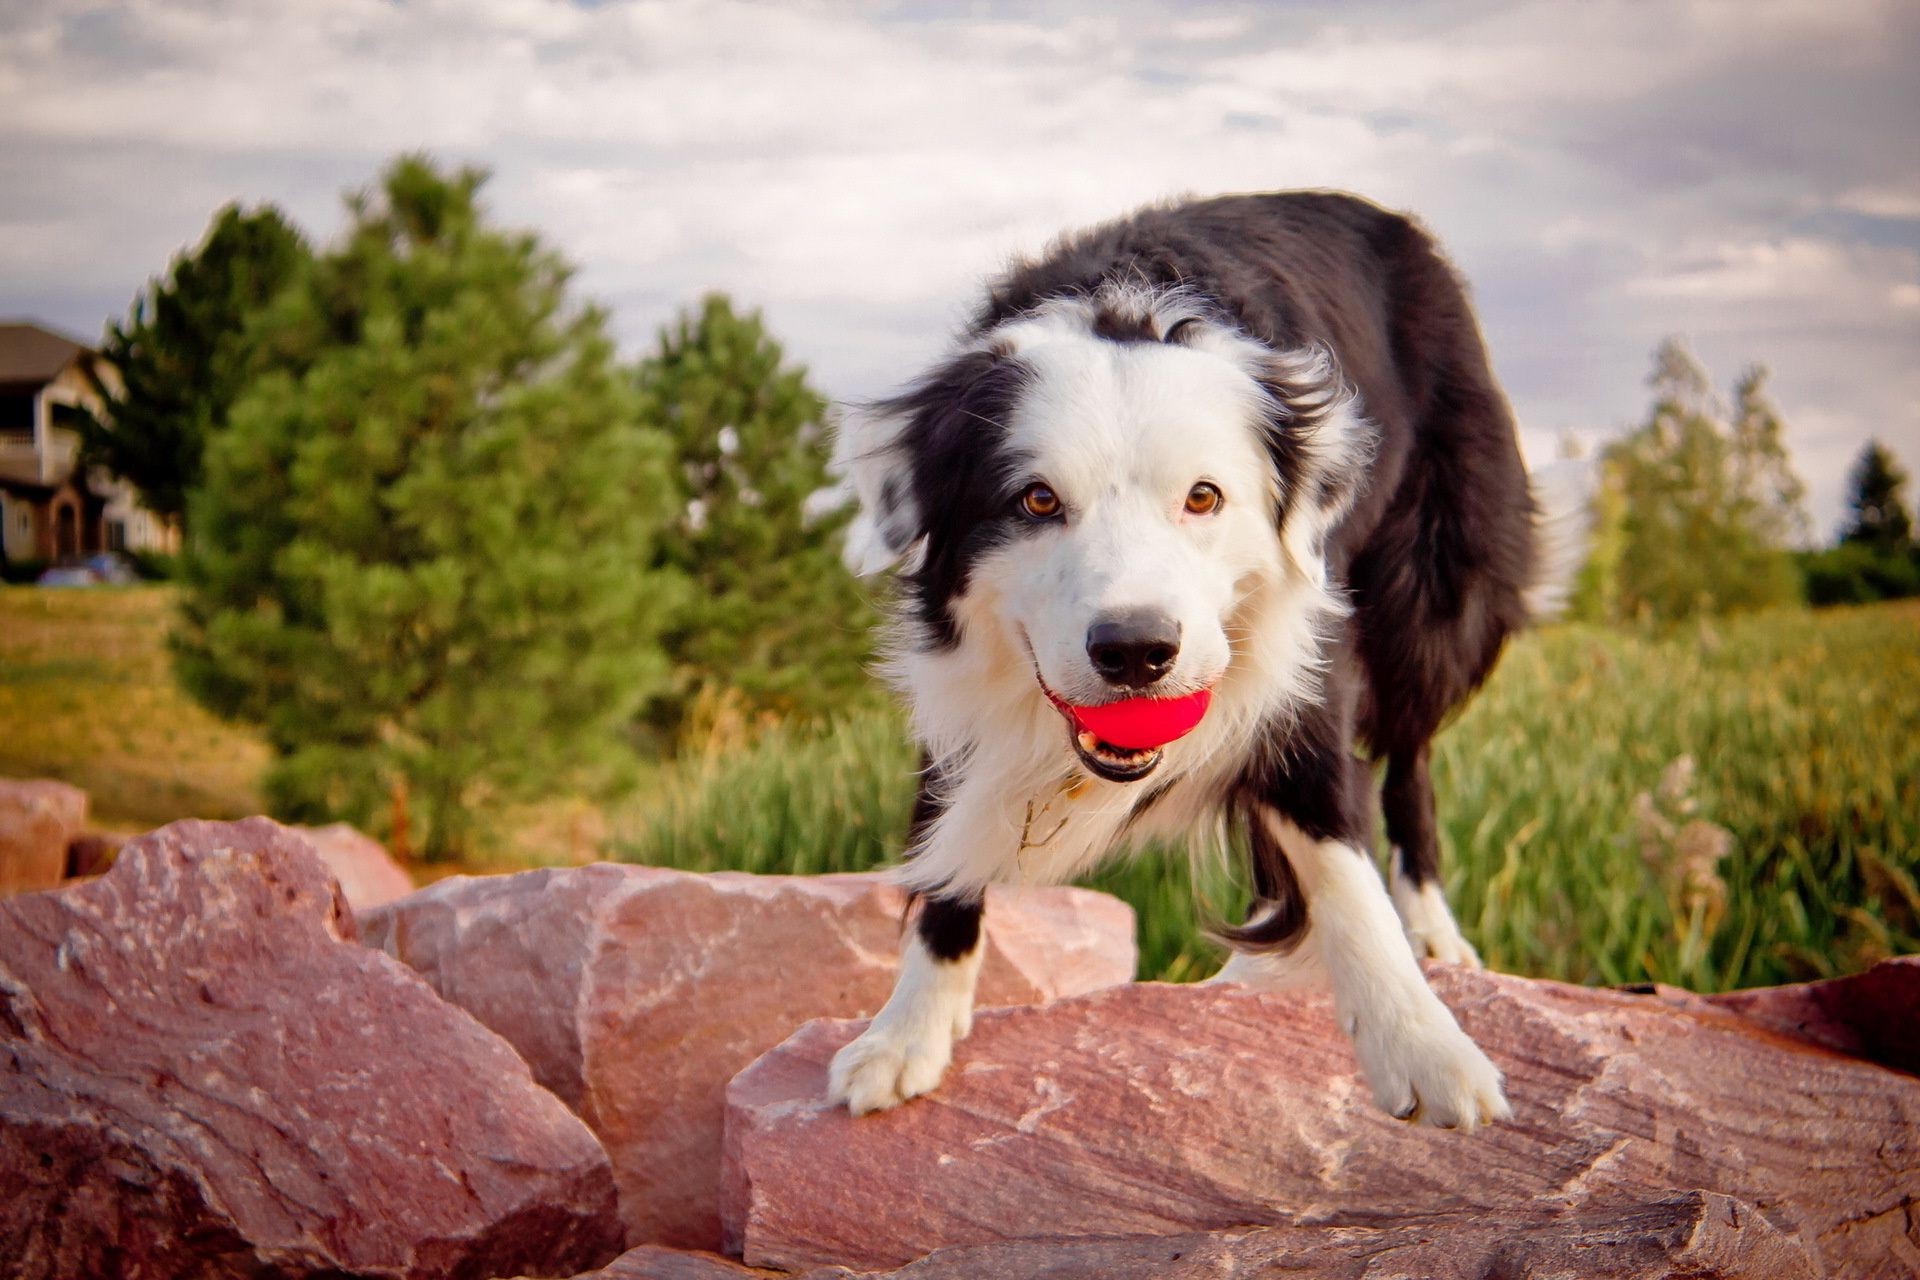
(50, 508)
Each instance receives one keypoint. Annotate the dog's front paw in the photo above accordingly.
(1424, 1069)
(887, 1065)
(1429, 924)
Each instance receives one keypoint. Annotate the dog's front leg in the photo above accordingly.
(906, 1049)
(1421, 1065)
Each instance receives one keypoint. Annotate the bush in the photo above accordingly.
(1861, 573)
(23, 571)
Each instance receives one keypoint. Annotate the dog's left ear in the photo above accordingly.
(1320, 444)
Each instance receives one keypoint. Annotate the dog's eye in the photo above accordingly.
(1203, 499)
(1040, 502)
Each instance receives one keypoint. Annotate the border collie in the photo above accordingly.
(1206, 501)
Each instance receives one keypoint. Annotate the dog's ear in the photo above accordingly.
(870, 453)
(1320, 443)
(909, 455)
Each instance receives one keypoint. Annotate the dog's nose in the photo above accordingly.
(1134, 648)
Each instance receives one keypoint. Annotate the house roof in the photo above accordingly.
(32, 355)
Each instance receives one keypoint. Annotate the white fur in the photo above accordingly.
(1428, 922)
(1121, 431)
(1421, 1065)
(905, 1050)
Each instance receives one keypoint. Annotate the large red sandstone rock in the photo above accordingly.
(38, 819)
(202, 1074)
(637, 992)
(368, 875)
(1695, 1235)
(1873, 1015)
(1149, 1110)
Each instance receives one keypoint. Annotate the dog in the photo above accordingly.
(1235, 476)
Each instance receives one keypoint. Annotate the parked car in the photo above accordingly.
(112, 567)
(68, 575)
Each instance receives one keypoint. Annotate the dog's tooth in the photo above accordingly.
(1088, 742)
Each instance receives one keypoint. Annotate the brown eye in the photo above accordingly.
(1203, 499)
(1040, 502)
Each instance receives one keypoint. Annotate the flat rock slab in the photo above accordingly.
(1154, 1110)
(39, 818)
(203, 1074)
(1696, 1235)
(636, 992)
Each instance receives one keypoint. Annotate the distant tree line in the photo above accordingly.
(1697, 511)
(445, 550)
(441, 546)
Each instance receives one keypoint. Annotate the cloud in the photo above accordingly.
(1603, 174)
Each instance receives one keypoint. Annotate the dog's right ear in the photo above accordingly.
(870, 451)
(907, 455)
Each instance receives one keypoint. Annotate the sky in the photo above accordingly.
(1745, 174)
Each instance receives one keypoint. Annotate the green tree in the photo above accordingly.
(773, 618)
(1880, 518)
(1877, 558)
(422, 544)
(182, 354)
(1704, 505)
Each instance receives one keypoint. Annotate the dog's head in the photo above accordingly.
(1096, 490)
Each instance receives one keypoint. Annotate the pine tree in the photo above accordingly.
(1706, 505)
(774, 618)
(422, 542)
(181, 356)
(1880, 518)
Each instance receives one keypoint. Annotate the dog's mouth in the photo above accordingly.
(1142, 726)
(1115, 764)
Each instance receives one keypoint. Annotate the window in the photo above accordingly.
(16, 416)
(116, 535)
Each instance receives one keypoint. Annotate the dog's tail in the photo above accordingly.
(1563, 494)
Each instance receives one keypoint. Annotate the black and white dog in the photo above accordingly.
(1243, 460)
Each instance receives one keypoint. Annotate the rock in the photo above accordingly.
(1154, 1110)
(656, 1262)
(636, 992)
(202, 1073)
(91, 853)
(1695, 1234)
(368, 875)
(1874, 1015)
(38, 820)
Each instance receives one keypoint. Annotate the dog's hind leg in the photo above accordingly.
(906, 1049)
(1415, 875)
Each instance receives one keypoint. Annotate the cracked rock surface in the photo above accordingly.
(202, 1073)
(637, 992)
(1154, 1110)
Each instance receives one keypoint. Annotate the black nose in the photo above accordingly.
(1134, 648)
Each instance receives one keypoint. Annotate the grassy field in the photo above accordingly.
(1715, 807)
(87, 696)
(1723, 806)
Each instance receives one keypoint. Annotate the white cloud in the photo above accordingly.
(1603, 173)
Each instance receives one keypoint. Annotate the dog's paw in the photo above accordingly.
(885, 1066)
(1424, 1069)
(1429, 925)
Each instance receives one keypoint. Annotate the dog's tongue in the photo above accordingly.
(1140, 724)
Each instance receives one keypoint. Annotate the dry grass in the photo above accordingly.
(87, 696)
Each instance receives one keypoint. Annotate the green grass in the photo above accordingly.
(87, 696)
(1803, 729)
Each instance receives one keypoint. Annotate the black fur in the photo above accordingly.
(1435, 553)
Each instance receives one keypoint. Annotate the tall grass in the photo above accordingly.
(87, 695)
(1578, 848)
